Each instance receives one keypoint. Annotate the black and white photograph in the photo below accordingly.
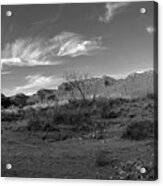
(79, 92)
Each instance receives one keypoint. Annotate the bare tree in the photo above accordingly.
(77, 83)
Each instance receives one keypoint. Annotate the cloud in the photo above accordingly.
(40, 51)
(27, 52)
(25, 62)
(73, 44)
(150, 29)
(36, 82)
(111, 10)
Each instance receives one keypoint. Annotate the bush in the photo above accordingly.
(139, 130)
(5, 101)
(33, 119)
(11, 116)
(80, 119)
(43, 119)
(151, 96)
(80, 103)
(110, 108)
(105, 158)
(110, 115)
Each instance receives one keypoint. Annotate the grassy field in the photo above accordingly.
(73, 158)
(118, 152)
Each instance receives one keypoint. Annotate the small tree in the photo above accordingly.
(5, 101)
(19, 100)
(52, 98)
(77, 82)
(41, 95)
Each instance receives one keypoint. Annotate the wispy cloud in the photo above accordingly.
(27, 52)
(111, 10)
(36, 82)
(37, 52)
(73, 44)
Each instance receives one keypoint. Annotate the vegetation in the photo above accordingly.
(5, 101)
(96, 128)
(19, 100)
(96, 138)
(139, 130)
(80, 86)
(91, 116)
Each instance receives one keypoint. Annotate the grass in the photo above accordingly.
(73, 158)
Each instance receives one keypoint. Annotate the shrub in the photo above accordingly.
(80, 103)
(36, 119)
(43, 119)
(105, 158)
(5, 101)
(139, 130)
(110, 108)
(110, 115)
(151, 96)
(80, 119)
(11, 116)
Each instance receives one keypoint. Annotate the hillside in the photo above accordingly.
(133, 86)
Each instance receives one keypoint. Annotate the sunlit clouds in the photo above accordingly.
(73, 45)
(26, 52)
(38, 52)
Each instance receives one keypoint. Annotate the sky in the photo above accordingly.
(40, 43)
